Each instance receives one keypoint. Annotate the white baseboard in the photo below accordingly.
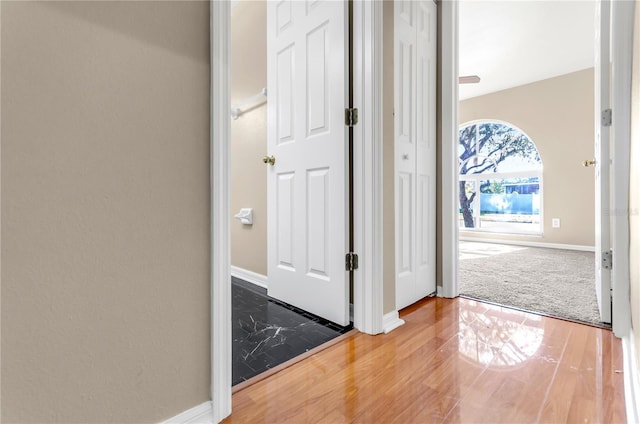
(530, 244)
(631, 379)
(391, 321)
(201, 414)
(250, 276)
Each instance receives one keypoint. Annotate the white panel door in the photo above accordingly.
(307, 186)
(405, 149)
(426, 149)
(415, 149)
(602, 158)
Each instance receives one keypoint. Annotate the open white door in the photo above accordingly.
(415, 149)
(307, 184)
(602, 158)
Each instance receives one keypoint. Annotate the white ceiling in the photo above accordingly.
(514, 42)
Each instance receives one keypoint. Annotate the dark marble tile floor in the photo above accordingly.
(267, 332)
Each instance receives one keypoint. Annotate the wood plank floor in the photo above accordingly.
(455, 360)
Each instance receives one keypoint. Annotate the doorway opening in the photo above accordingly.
(527, 99)
(289, 235)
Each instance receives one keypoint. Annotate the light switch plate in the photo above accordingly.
(555, 223)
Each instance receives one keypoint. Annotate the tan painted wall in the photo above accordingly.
(557, 114)
(105, 210)
(634, 189)
(249, 135)
(388, 172)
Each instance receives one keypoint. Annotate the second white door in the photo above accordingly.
(415, 149)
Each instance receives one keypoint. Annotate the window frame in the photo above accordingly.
(477, 178)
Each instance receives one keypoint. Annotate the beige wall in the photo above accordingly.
(557, 114)
(249, 135)
(634, 190)
(105, 210)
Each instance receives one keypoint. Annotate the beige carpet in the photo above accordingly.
(550, 281)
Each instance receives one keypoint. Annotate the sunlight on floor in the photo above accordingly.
(473, 250)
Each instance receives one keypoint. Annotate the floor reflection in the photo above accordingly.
(504, 339)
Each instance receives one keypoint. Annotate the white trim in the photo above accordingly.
(448, 66)
(391, 321)
(250, 276)
(631, 379)
(220, 281)
(621, 58)
(368, 191)
(201, 414)
(531, 244)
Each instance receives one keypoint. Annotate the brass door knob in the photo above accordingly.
(269, 159)
(588, 162)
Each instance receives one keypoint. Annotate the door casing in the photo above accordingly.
(622, 56)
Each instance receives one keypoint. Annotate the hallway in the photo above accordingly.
(455, 360)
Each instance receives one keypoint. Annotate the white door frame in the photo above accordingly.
(220, 27)
(622, 16)
(367, 165)
(367, 75)
(622, 44)
(448, 67)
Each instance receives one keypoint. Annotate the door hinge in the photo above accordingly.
(605, 118)
(351, 116)
(351, 261)
(607, 259)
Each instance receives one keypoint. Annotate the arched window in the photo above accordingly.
(500, 177)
